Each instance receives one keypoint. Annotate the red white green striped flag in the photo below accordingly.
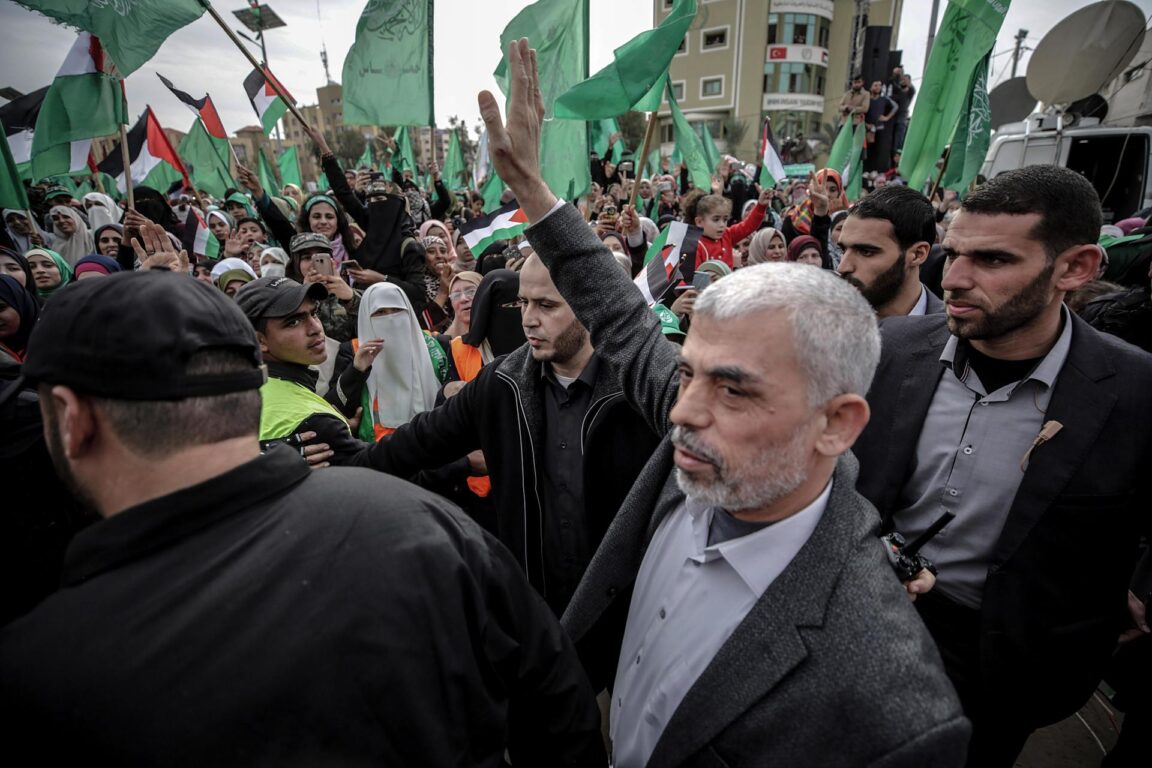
(84, 101)
(198, 239)
(771, 168)
(268, 105)
(505, 222)
(154, 163)
(664, 257)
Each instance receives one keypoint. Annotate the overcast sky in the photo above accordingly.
(200, 58)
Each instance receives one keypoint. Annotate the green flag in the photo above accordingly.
(491, 191)
(267, 173)
(289, 163)
(652, 167)
(966, 36)
(841, 148)
(365, 160)
(558, 29)
(973, 134)
(637, 67)
(131, 32)
(12, 193)
(404, 159)
(690, 147)
(388, 70)
(710, 150)
(600, 132)
(454, 171)
(207, 169)
(852, 172)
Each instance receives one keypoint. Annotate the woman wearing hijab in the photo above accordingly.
(18, 313)
(437, 275)
(231, 281)
(323, 215)
(72, 238)
(24, 233)
(50, 272)
(154, 206)
(101, 210)
(767, 245)
(108, 238)
(221, 225)
(808, 250)
(16, 266)
(225, 265)
(461, 293)
(835, 252)
(402, 381)
(436, 228)
(803, 219)
(273, 262)
(95, 265)
(494, 327)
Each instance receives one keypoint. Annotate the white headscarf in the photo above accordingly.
(104, 212)
(401, 383)
(76, 246)
(273, 270)
(232, 262)
(24, 242)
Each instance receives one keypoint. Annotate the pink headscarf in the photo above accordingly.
(1128, 225)
(424, 232)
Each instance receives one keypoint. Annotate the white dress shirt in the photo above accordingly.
(921, 303)
(689, 598)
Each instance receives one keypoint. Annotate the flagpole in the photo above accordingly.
(256, 64)
(648, 132)
(940, 176)
(125, 155)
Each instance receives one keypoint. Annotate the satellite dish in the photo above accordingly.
(1010, 102)
(1085, 51)
(1090, 106)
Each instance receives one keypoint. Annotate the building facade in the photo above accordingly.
(790, 60)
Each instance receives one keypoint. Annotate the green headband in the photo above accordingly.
(320, 199)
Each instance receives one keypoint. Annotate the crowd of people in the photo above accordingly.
(367, 496)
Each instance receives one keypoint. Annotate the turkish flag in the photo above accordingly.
(777, 53)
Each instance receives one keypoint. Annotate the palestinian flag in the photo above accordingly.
(269, 107)
(504, 222)
(664, 256)
(202, 107)
(198, 239)
(771, 168)
(84, 101)
(154, 163)
(19, 120)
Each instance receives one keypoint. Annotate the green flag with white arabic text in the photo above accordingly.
(454, 172)
(966, 36)
(973, 134)
(690, 147)
(289, 163)
(388, 70)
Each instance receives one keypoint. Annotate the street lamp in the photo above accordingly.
(257, 18)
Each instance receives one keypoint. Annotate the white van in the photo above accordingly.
(1117, 160)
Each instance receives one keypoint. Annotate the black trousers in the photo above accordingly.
(998, 730)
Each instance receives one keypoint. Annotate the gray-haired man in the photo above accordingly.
(740, 599)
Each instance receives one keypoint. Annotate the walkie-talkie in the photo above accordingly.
(905, 557)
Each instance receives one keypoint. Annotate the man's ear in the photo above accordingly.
(1081, 264)
(918, 253)
(74, 418)
(844, 419)
(263, 340)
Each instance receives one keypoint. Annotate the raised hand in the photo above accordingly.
(818, 193)
(249, 181)
(515, 148)
(154, 249)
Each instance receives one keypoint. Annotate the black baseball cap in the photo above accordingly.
(276, 297)
(130, 337)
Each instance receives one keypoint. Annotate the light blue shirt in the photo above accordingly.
(689, 598)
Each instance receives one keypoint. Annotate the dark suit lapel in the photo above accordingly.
(905, 416)
(767, 645)
(1082, 406)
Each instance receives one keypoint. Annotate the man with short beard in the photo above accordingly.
(1036, 432)
(885, 239)
(549, 424)
(739, 609)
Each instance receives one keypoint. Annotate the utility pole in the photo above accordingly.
(933, 16)
(1020, 35)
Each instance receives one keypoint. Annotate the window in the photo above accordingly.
(667, 133)
(683, 46)
(773, 25)
(241, 152)
(713, 39)
(711, 87)
(678, 90)
(794, 77)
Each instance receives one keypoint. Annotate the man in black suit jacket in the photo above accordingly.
(1036, 432)
(885, 240)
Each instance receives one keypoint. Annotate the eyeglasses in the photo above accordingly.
(467, 293)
